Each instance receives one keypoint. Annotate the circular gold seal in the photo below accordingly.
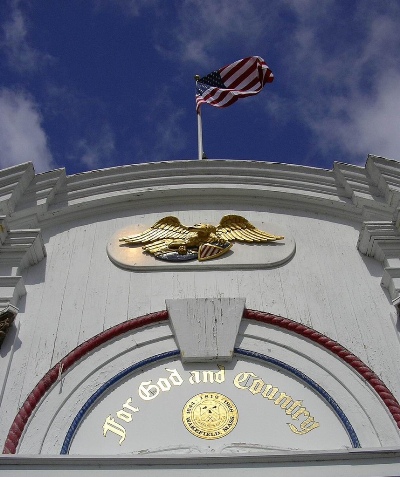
(210, 415)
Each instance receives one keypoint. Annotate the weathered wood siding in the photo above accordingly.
(77, 292)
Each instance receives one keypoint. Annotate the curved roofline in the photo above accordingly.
(357, 193)
(368, 196)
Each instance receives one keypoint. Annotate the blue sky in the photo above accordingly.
(89, 84)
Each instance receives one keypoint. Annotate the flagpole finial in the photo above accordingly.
(197, 77)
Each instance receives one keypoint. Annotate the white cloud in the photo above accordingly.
(170, 135)
(20, 54)
(372, 124)
(347, 92)
(132, 8)
(167, 134)
(22, 137)
(204, 26)
(378, 123)
(94, 152)
(337, 64)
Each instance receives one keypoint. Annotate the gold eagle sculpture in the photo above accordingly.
(170, 240)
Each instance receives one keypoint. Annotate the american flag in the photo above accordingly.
(223, 87)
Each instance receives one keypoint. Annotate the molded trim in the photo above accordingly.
(55, 373)
(153, 359)
(359, 193)
(333, 346)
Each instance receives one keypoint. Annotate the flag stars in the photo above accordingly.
(213, 79)
(241, 79)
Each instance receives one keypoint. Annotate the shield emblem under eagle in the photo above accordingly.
(169, 240)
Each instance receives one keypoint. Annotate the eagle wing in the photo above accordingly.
(163, 230)
(236, 227)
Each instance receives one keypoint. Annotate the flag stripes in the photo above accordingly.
(207, 250)
(241, 79)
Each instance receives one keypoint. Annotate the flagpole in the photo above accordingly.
(200, 135)
(201, 154)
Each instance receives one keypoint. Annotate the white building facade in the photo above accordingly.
(274, 358)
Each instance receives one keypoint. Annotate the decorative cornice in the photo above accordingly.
(381, 240)
(38, 196)
(19, 249)
(12, 288)
(385, 175)
(13, 182)
(78, 353)
(360, 187)
(370, 193)
(22, 248)
(7, 316)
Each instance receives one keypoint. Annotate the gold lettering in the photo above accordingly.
(195, 377)
(290, 409)
(148, 391)
(285, 398)
(242, 378)
(301, 411)
(164, 384)
(256, 387)
(208, 376)
(220, 375)
(267, 394)
(125, 416)
(175, 377)
(128, 406)
(306, 426)
(111, 425)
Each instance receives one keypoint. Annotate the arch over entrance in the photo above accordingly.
(61, 394)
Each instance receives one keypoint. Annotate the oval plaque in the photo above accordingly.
(241, 256)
